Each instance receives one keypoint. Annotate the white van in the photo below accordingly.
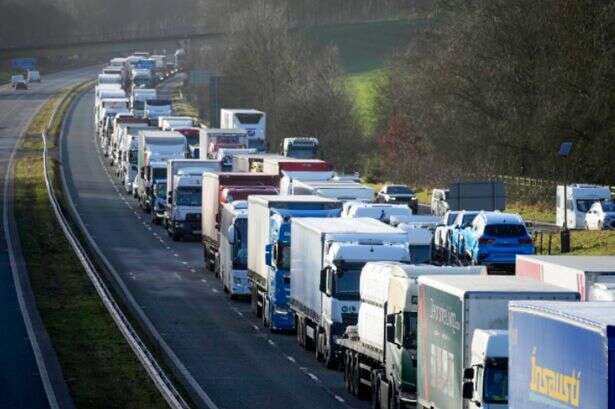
(33, 76)
(580, 198)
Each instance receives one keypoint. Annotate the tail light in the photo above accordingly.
(485, 240)
(525, 240)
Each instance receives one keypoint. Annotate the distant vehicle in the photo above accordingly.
(398, 194)
(157, 107)
(109, 79)
(15, 79)
(378, 211)
(495, 238)
(343, 191)
(138, 98)
(251, 162)
(454, 236)
(580, 198)
(34, 76)
(251, 120)
(439, 203)
(601, 215)
(21, 85)
(440, 237)
(301, 148)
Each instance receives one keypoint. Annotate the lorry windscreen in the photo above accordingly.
(347, 283)
(410, 326)
(159, 173)
(283, 256)
(495, 381)
(140, 105)
(160, 190)
(133, 156)
(240, 245)
(189, 196)
(302, 152)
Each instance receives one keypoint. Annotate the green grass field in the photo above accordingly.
(363, 50)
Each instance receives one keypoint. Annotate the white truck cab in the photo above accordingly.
(579, 199)
(486, 380)
(251, 120)
(234, 248)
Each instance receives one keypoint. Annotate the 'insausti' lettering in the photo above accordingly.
(555, 385)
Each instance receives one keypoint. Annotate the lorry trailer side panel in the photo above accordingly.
(559, 363)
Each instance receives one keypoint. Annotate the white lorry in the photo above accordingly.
(181, 206)
(210, 140)
(380, 351)
(155, 149)
(592, 276)
(293, 169)
(450, 310)
(33, 76)
(110, 79)
(344, 191)
(251, 162)
(233, 251)
(155, 108)
(379, 211)
(251, 120)
(166, 123)
(327, 256)
(138, 98)
(129, 151)
(226, 155)
(579, 198)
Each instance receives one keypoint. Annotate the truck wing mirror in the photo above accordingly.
(230, 234)
(390, 332)
(468, 373)
(268, 252)
(323, 280)
(468, 390)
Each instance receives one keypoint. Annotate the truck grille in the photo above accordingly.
(193, 217)
(349, 318)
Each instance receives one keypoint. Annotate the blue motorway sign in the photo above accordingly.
(23, 63)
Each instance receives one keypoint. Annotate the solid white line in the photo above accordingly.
(339, 398)
(314, 377)
(271, 342)
(256, 327)
(291, 359)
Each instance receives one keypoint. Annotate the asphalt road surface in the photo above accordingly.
(225, 349)
(20, 381)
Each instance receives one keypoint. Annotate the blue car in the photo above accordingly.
(455, 233)
(495, 239)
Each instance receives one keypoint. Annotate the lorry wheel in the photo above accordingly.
(393, 402)
(361, 389)
(347, 370)
(299, 326)
(310, 343)
(319, 346)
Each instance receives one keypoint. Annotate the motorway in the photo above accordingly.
(21, 385)
(221, 349)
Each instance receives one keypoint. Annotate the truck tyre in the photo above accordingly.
(299, 326)
(310, 343)
(320, 346)
(347, 370)
(393, 401)
(155, 219)
(362, 391)
(329, 357)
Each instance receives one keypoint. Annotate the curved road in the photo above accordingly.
(21, 385)
(225, 351)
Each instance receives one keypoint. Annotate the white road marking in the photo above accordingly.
(256, 327)
(314, 377)
(339, 398)
(270, 341)
(214, 290)
(291, 359)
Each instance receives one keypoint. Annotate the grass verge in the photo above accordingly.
(100, 368)
(182, 107)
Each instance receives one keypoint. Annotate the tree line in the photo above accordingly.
(32, 22)
(494, 87)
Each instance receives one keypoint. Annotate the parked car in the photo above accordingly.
(398, 194)
(439, 203)
(454, 238)
(496, 238)
(601, 215)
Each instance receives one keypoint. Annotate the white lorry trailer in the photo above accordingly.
(250, 120)
(450, 310)
(210, 140)
(155, 149)
(345, 191)
(592, 276)
(300, 148)
(327, 256)
(181, 206)
(129, 152)
(138, 98)
(378, 211)
(380, 352)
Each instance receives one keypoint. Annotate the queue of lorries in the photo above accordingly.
(403, 303)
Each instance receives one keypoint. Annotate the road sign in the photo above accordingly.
(24, 63)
